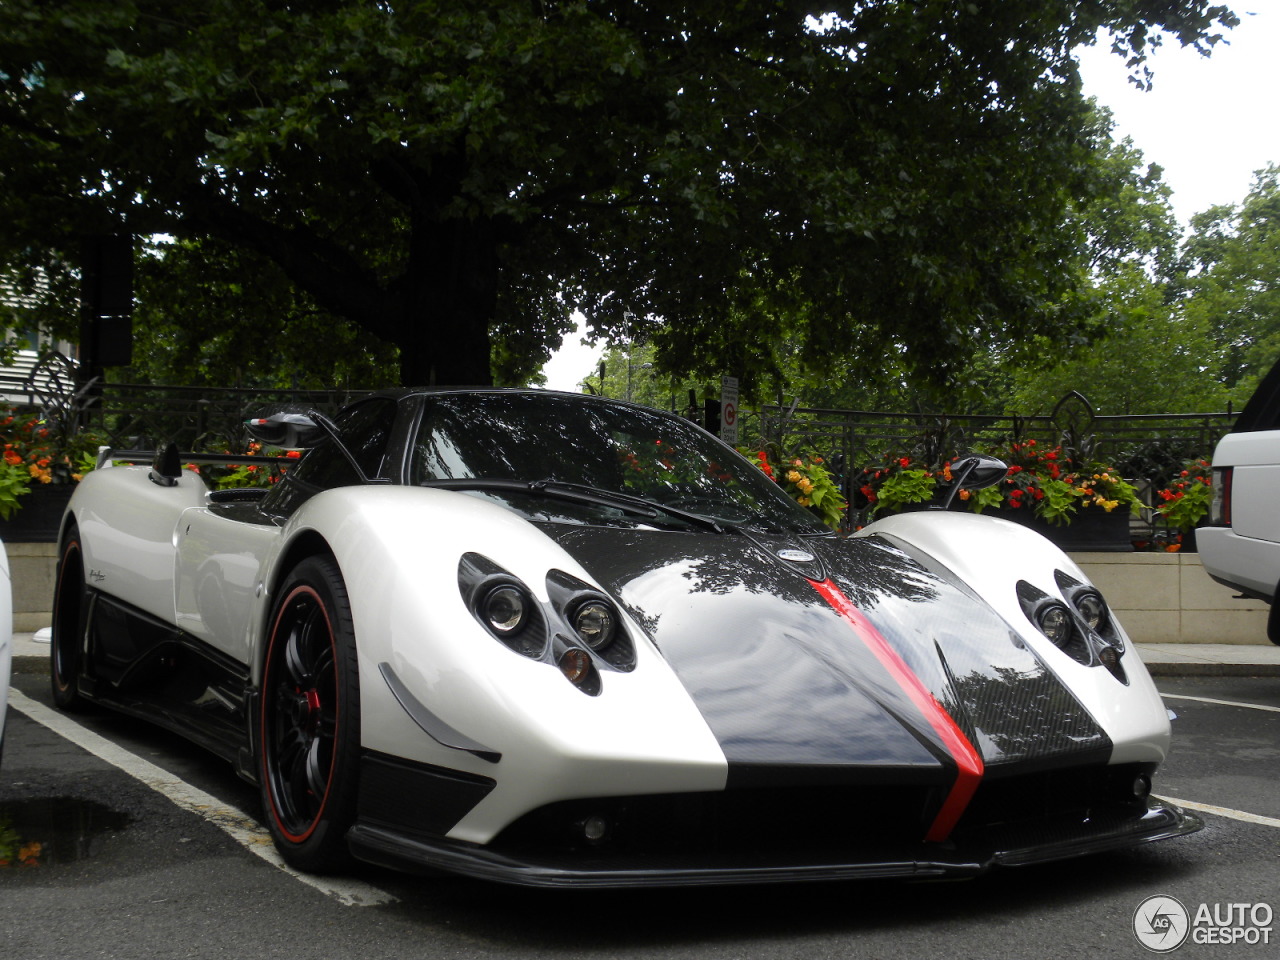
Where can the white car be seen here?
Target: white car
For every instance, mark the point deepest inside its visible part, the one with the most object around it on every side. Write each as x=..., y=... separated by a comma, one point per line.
x=561, y=640
x=6, y=640
x=1241, y=546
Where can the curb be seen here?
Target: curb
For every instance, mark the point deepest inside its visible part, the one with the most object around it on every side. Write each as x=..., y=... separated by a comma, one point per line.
x=1214, y=669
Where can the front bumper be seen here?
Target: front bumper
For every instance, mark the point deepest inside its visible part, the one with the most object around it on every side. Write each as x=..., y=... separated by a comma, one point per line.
x=973, y=852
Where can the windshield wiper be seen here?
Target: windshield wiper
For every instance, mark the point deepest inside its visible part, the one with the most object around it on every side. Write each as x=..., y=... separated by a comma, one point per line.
x=581, y=493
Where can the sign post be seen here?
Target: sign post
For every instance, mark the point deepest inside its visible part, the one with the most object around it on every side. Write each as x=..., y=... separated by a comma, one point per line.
x=729, y=409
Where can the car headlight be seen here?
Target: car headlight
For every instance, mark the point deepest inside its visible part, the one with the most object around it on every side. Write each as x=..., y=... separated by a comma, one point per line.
x=505, y=610
x=594, y=623
x=1092, y=609
x=593, y=620
x=502, y=605
x=1054, y=621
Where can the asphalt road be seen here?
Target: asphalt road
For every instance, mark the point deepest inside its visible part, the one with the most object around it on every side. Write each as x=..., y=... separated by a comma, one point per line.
x=133, y=874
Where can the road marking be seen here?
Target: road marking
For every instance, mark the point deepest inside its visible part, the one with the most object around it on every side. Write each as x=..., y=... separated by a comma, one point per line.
x=1225, y=812
x=239, y=825
x=1221, y=703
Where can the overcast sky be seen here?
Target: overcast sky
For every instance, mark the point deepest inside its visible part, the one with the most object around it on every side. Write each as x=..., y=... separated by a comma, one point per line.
x=1209, y=122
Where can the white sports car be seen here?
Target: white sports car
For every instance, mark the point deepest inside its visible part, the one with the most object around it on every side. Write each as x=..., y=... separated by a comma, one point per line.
x=551, y=639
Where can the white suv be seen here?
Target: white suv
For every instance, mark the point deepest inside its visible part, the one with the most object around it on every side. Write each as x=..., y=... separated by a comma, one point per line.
x=1241, y=547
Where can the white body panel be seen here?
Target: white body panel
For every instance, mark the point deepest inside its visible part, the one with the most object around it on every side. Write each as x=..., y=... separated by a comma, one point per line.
x=220, y=577
x=1247, y=555
x=213, y=577
x=128, y=528
x=991, y=555
x=643, y=734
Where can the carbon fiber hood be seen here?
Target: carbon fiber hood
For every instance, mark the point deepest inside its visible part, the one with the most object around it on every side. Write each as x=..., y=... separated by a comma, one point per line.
x=788, y=676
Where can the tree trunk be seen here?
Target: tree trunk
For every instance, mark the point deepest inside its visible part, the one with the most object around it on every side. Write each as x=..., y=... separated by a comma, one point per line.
x=452, y=286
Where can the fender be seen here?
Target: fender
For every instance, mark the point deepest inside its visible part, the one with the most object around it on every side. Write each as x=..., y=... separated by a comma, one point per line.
x=555, y=742
x=990, y=555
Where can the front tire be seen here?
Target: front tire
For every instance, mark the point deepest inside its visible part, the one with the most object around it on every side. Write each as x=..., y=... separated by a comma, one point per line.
x=309, y=730
x=70, y=610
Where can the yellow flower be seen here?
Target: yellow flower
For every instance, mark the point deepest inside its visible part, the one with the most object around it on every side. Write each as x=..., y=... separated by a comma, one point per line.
x=794, y=476
x=804, y=501
x=806, y=487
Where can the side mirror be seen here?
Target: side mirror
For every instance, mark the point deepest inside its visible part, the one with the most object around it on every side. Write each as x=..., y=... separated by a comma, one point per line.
x=977, y=471
x=286, y=429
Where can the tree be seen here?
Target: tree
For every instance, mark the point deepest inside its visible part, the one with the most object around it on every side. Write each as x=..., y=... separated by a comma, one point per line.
x=242, y=324
x=1150, y=356
x=453, y=176
x=1233, y=288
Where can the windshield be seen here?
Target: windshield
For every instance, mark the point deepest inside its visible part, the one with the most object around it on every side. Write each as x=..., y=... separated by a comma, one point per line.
x=594, y=443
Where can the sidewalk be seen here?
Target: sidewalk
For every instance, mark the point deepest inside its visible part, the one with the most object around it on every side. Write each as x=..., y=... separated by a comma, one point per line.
x=1162, y=659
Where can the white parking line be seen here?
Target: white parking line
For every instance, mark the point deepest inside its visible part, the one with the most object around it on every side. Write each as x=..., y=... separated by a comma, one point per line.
x=1221, y=703
x=1225, y=812
x=1208, y=807
x=231, y=820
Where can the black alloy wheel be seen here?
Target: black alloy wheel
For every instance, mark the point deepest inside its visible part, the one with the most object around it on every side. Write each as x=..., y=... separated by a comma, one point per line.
x=309, y=730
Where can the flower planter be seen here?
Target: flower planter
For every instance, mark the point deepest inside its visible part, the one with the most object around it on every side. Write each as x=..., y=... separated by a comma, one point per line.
x=1091, y=530
x=39, y=517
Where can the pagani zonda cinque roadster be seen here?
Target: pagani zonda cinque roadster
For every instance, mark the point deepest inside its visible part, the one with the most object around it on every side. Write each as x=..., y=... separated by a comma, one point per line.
x=559, y=640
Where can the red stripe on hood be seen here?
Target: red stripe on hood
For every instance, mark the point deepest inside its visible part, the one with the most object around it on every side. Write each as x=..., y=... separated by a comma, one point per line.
x=967, y=759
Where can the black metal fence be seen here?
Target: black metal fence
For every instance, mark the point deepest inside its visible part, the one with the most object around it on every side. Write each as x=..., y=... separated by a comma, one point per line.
x=195, y=419
x=1140, y=445
x=1146, y=449
x=148, y=416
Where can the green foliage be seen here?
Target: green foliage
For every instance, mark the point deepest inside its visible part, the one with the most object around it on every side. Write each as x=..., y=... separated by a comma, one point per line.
x=455, y=179
x=1059, y=502
x=904, y=487
x=1232, y=260
x=15, y=483
x=242, y=324
x=37, y=451
x=811, y=485
x=1143, y=354
x=1185, y=501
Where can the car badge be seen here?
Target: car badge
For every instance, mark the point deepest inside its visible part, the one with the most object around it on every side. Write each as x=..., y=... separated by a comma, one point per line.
x=796, y=556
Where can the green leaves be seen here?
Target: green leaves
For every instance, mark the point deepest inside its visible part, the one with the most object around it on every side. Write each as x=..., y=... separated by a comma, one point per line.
x=899, y=183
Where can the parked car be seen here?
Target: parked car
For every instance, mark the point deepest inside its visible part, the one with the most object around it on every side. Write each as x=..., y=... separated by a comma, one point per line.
x=1241, y=545
x=551, y=639
x=6, y=641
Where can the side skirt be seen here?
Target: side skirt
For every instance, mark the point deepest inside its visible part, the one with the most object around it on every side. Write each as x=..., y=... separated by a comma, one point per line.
x=149, y=669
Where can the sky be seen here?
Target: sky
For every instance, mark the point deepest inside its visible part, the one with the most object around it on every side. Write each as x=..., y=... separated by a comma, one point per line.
x=1209, y=122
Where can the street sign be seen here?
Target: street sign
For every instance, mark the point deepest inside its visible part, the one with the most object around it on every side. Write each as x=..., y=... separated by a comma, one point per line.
x=729, y=409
